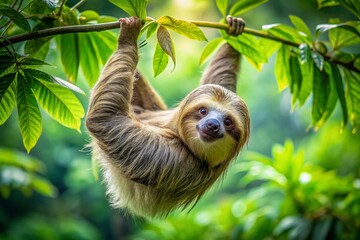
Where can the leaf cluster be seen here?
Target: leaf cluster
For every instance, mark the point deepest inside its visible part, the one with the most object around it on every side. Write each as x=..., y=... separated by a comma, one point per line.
x=322, y=65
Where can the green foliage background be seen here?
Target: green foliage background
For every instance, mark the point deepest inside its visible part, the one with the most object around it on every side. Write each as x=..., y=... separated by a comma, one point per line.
x=303, y=188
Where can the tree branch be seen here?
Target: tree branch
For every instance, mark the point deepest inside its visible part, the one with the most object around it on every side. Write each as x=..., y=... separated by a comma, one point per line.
x=114, y=25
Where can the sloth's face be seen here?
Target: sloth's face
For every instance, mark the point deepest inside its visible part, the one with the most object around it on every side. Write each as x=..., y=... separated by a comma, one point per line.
x=214, y=124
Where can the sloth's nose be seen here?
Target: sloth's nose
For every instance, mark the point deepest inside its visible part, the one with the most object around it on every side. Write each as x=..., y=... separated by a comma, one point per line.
x=213, y=125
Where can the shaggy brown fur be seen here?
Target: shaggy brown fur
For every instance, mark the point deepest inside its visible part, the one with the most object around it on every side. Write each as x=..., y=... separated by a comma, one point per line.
x=153, y=159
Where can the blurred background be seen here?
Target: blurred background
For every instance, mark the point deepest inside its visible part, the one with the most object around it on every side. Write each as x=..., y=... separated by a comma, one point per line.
x=288, y=183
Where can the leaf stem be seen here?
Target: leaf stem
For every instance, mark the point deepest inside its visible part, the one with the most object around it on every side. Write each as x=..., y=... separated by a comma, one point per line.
x=114, y=25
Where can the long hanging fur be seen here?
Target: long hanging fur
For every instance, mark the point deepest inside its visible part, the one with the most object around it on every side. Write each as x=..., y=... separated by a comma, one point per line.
x=152, y=159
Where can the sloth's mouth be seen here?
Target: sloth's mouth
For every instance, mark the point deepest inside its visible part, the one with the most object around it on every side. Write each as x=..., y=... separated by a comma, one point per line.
x=208, y=136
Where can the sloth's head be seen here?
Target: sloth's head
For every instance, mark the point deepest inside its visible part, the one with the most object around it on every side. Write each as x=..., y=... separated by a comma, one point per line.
x=214, y=123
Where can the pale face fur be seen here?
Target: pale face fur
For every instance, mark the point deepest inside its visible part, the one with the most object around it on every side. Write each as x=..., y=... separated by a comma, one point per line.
x=222, y=105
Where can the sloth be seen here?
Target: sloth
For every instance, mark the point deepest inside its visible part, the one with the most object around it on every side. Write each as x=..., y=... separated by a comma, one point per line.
x=154, y=159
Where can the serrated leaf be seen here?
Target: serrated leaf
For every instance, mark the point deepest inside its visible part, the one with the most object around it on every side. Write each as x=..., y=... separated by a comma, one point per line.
x=15, y=16
x=166, y=43
x=282, y=68
x=182, y=27
x=210, y=48
x=244, y=6
x=301, y=26
x=46, y=77
x=321, y=92
x=336, y=76
x=222, y=6
x=132, y=7
x=160, y=60
x=352, y=93
x=28, y=113
x=305, y=53
x=296, y=78
x=59, y=102
x=7, y=99
x=70, y=55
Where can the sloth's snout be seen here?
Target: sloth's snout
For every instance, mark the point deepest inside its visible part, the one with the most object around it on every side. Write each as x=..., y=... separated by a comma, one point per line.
x=213, y=125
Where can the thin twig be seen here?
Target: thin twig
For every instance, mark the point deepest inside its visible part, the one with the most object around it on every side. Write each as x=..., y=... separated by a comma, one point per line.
x=78, y=4
x=114, y=25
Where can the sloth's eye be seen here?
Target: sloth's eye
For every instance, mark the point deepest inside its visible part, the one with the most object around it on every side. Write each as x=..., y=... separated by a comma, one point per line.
x=203, y=111
x=228, y=122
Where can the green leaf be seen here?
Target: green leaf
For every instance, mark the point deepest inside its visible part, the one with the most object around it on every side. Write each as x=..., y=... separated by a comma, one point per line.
x=19, y=159
x=318, y=60
x=210, y=48
x=46, y=77
x=332, y=98
x=249, y=46
x=166, y=43
x=89, y=15
x=40, y=7
x=352, y=5
x=336, y=77
x=89, y=59
x=151, y=29
x=282, y=68
x=222, y=6
x=106, y=19
x=7, y=97
x=305, y=53
x=244, y=6
x=286, y=33
x=5, y=82
x=342, y=37
x=296, y=78
x=307, y=81
x=301, y=26
x=43, y=186
x=182, y=27
x=105, y=43
x=132, y=7
x=59, y=102
x=15, y=16
x=349, y=27
x=28, y=113
x=32, y=62
x=352, y=93
x=322, y=228
x=269, y=47
x=160, y=60
x=321, y=93
x=327, y=3
x=70, y=55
